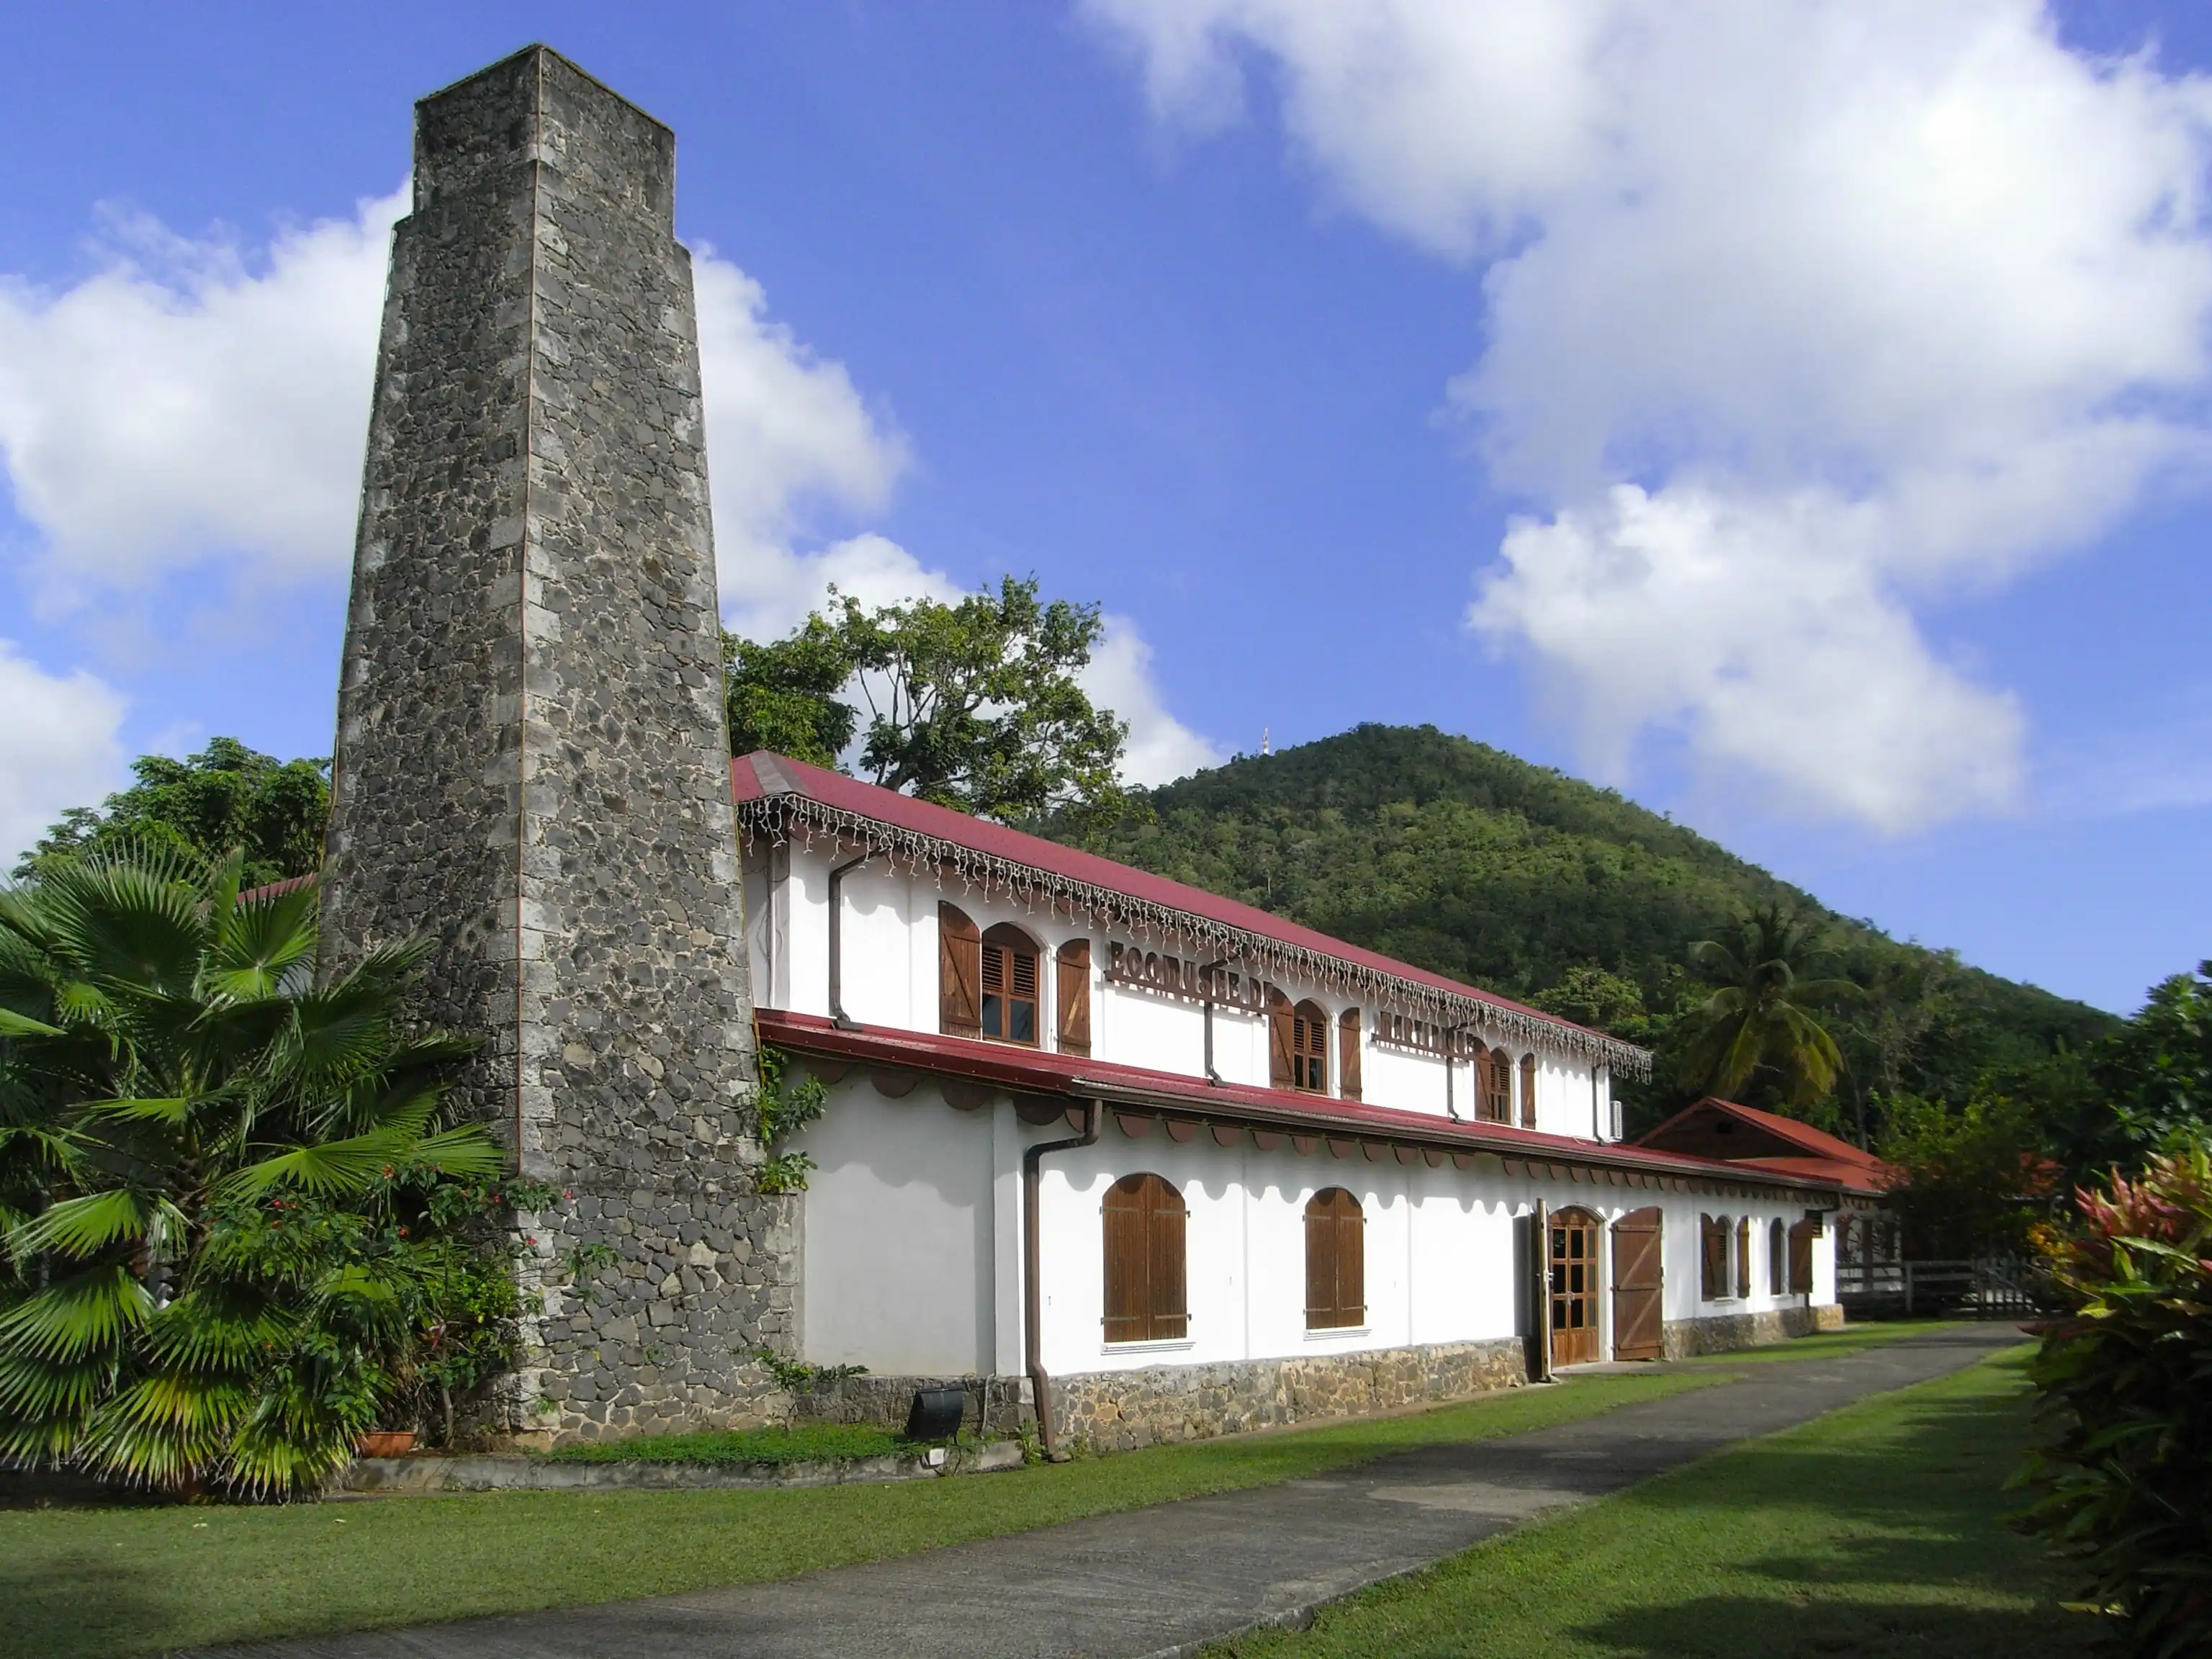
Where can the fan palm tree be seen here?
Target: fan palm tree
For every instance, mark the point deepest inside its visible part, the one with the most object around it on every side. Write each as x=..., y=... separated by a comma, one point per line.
x=207, y=1167
x=1758, y=1017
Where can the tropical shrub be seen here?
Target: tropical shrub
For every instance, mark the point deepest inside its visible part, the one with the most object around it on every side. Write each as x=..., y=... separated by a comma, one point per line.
x=2123, y=1467
x=238, y=1226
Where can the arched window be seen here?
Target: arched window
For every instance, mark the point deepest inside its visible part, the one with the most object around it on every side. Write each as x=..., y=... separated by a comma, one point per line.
x=1778, y=1271
x=1336, y=1261
x=1712, y=1257
x=1496, y=1072
x=1310, y=1048
x=1144, y=1300
x=1009, y=1011
x=1527, y=1092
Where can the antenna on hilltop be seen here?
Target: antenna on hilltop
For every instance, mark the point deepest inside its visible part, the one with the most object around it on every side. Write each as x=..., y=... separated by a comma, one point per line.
x=1266, y=748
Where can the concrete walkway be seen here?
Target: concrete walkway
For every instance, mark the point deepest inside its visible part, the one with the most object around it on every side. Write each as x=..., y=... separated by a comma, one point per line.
x=1168, y=1579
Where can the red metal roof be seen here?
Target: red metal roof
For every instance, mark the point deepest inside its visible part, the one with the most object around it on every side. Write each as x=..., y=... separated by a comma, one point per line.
x=1817, y=1154
x=1076, y=1076
x=870, y=800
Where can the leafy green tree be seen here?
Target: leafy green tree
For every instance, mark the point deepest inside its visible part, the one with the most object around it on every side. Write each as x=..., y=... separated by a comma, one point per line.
x=237, y=1222
x=783, y=695
x=973, y=705
x=2156, y=1073
x=1759, y=1019
x=226, y=796
x=1976, y=1177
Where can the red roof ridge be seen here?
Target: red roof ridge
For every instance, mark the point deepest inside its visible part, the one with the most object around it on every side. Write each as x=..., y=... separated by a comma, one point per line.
x=763, y=773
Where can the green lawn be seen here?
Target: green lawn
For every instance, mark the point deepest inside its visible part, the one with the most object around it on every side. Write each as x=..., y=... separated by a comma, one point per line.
x=1874, y=1531
x=90, y=1582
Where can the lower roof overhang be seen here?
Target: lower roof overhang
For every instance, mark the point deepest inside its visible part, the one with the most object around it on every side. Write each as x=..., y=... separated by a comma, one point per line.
x=1139, y=1092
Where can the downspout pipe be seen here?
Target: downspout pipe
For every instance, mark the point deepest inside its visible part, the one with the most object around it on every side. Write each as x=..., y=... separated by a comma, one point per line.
x=838, y=1017
x=1206, y=979
x=1094, y=1119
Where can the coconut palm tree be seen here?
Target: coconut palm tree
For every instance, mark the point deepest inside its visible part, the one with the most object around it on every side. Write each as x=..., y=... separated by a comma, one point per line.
x=1758, y=1017
x=208, y=1168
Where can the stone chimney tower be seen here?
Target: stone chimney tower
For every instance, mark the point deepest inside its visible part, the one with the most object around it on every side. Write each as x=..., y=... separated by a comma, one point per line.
x=532, y=768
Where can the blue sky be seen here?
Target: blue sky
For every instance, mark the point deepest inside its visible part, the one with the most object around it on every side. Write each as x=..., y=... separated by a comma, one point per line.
x=1802, y=427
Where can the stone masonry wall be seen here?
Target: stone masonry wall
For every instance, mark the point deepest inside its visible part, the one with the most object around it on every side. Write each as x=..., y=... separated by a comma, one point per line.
x=532, y=761
x=1119, y=1411
x=1725, y=1333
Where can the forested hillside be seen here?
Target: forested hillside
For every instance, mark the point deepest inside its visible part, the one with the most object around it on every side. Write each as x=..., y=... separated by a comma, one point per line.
x=1467, y=860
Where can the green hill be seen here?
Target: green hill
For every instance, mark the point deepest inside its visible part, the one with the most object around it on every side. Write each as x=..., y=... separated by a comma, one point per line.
x=1471, y=862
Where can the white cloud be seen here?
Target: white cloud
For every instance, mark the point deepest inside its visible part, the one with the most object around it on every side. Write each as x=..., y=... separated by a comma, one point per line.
x=1120, y=678
x=1870, y=302
x=186, y=401
x=58, y=747
x=194, y=404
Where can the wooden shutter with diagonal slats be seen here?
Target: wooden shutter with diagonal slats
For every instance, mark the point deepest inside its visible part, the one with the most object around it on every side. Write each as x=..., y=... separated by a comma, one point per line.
x=1638, y=1262
x=1073, y=1026
x=1280, y=1055
x=1347, y=1053
x=959, y=973
x=1527, y=1092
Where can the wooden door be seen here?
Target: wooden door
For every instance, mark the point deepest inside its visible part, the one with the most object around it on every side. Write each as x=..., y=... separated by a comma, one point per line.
x=1639, y=1330
x=1574, y=1288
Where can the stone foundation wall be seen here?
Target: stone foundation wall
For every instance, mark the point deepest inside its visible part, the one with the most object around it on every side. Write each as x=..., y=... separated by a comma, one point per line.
x=1725, y=1333
x=997, y=1406
x=1119, y=1411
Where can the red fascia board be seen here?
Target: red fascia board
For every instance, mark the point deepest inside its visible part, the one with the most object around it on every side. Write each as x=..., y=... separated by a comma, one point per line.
x=1033, y=1072
x=1851, y=1176
x=995, y=840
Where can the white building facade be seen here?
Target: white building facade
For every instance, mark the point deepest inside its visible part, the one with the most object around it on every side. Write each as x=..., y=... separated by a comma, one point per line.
x=1154, y=1163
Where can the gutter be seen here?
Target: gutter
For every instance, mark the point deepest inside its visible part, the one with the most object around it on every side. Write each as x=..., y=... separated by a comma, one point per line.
x=838, y=1017
x=1094, y=1119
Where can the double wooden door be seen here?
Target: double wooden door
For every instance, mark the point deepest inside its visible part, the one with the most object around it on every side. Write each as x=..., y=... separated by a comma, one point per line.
x=1574, y=1288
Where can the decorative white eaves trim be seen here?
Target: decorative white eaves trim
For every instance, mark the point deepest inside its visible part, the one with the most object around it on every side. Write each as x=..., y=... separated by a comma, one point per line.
x=783, y=815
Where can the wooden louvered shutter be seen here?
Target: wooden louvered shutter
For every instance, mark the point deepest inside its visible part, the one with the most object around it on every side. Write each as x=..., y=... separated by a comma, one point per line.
x=1074, y=1020
x=1801, y=1257
x=1527, y=1092
x=1170, y=1308
x=1743, y=1257
x=1128, y=1291
x=959, y=973
x=1778, y=1268
x=1712, y=1258
x=1347, y=1053
x=1351, y=1261
x=1280, y=1050
x=1320, y=1263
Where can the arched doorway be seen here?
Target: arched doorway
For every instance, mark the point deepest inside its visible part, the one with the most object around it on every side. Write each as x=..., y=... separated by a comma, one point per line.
x=1574, y=1283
